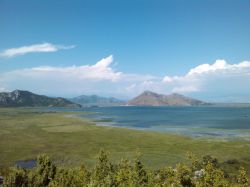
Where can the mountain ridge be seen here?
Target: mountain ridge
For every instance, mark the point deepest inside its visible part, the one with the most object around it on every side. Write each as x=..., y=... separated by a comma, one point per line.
x=23, y=98
x=149, y=98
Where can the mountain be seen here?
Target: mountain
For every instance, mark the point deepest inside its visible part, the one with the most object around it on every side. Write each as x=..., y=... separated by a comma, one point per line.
x=94, y=100
x=19, y=98
x=149, y=98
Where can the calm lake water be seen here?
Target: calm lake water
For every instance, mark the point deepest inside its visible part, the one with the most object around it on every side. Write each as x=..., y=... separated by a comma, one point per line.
x=233, y=122
x=194, y=121
x=27, y=164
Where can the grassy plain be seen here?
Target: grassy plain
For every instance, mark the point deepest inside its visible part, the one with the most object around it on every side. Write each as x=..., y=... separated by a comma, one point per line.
x=26, y=133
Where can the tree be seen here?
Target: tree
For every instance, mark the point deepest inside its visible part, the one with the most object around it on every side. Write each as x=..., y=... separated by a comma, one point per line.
x=44, y=173
x=102, y=173
x=212, y=177
x=17, y=177
x=141, y=175
x=124, y=174
x=242, y=177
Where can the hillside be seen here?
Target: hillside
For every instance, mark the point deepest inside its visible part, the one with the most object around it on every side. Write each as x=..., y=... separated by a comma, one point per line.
x=94, y=100
x=148, y=98
x=19, y=98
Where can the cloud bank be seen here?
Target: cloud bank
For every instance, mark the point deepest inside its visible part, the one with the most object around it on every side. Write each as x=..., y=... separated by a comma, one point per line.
x=219, y=81
x=100, y=78
x=36, y=48
x=97, y=72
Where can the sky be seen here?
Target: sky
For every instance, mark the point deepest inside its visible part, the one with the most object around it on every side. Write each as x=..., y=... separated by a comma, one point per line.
x=121, y=48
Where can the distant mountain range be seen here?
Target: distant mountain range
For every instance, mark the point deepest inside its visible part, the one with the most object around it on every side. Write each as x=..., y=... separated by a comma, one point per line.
x=149, y=98
x=19, y=98
x=94, y=100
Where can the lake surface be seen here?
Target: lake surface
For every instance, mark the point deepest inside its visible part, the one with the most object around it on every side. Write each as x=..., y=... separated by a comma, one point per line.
x=27, y=164
x=221, y=122
x=194, y=121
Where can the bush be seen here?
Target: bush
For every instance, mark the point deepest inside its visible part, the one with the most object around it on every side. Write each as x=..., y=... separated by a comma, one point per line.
x=16, y=177
x=201, y=173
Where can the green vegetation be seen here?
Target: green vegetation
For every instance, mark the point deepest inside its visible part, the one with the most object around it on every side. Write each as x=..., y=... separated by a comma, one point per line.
x=69, y=140
x=199, y=173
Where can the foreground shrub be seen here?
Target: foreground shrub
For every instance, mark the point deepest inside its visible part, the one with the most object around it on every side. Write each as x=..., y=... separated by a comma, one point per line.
x=16, y=177
x=70, y=177
x=242, y=177
x=200, y=173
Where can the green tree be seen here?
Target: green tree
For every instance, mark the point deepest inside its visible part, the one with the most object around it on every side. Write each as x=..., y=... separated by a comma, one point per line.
x=124, y=174
x=183, y=175
x=44, y=173
x=102, y=174
x=16, y=177
x=212, y=177
x=242, y=177
x=164, y=177
x=141, y=176
x=65, y=177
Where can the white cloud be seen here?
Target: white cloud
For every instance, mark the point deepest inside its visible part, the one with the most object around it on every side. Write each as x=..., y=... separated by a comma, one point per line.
x=155, y=85
x=219, y=78
x=184, y=89
x=218, y=66
x=3, y=89
x=99, y=71
x=100, y=77
x=167, y=79
x=36, y=48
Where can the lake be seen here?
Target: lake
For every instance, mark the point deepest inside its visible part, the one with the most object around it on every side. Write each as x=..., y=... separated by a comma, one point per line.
x=212, y=121
x=194, y=121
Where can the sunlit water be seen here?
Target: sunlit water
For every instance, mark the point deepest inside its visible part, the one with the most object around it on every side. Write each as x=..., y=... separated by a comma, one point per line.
x=220, y=122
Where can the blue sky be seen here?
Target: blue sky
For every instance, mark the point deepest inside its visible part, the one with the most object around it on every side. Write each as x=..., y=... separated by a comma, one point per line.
x=148, y=41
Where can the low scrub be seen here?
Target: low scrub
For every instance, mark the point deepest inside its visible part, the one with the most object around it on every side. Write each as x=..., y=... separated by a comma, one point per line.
x=204, y=172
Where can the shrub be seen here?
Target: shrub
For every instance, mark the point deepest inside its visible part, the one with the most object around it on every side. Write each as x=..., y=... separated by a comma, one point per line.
x=201, y=173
